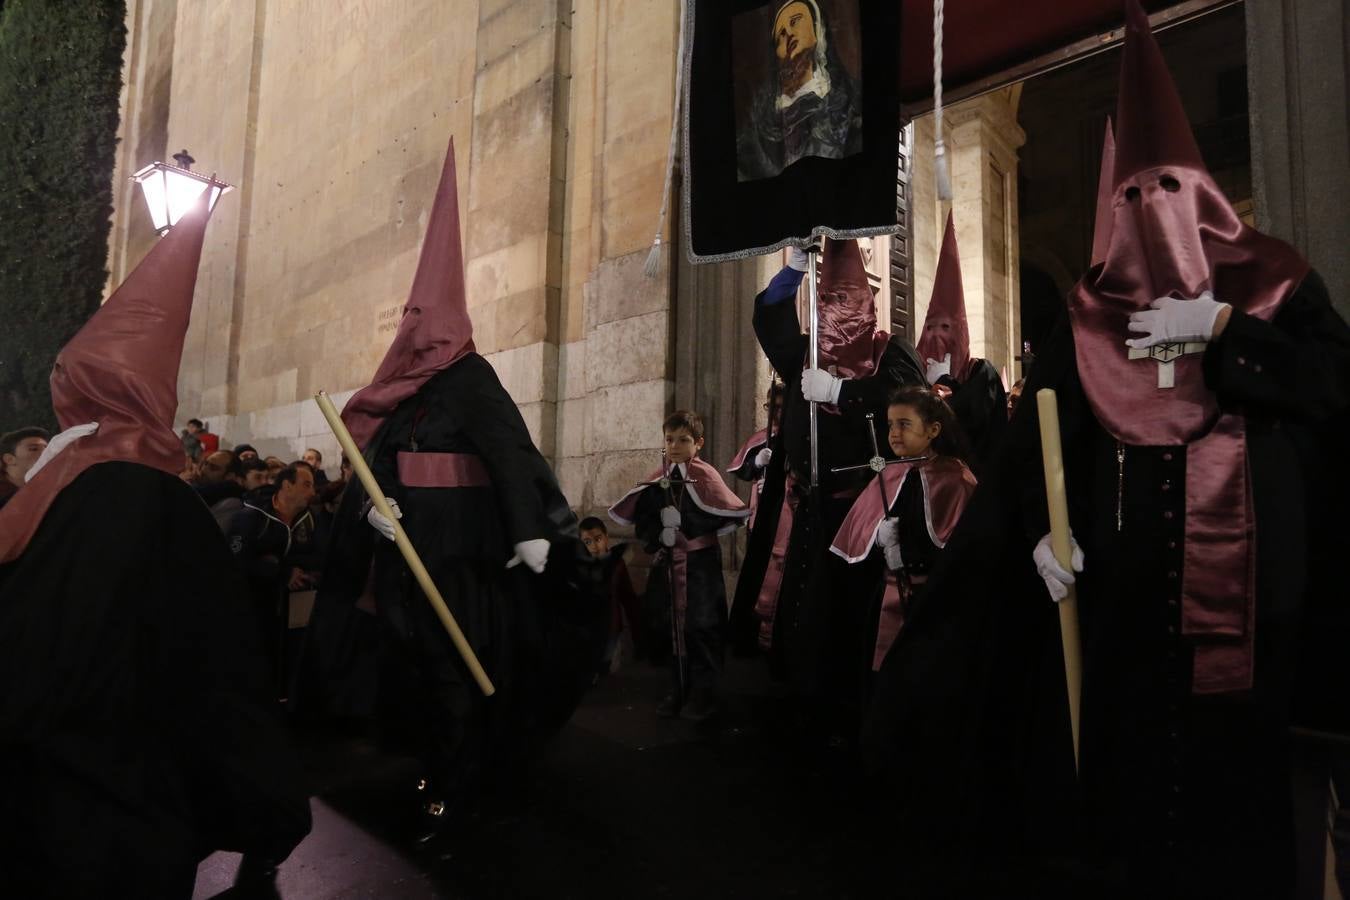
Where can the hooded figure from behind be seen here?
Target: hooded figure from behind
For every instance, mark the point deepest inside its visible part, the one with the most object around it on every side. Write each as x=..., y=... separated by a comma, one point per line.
x=136, y=735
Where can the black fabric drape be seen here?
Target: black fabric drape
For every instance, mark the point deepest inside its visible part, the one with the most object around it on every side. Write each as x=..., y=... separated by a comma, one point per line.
x=727, y=218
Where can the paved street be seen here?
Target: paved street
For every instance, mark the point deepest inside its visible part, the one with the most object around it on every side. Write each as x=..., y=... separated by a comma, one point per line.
x=622, y=805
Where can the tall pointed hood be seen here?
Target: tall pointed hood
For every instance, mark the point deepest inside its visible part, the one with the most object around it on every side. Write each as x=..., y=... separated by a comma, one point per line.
x=849, y=339
x=435, y=331
x=945, y=329
x=1101, y=225
x=120, y=371
x=1174, y=234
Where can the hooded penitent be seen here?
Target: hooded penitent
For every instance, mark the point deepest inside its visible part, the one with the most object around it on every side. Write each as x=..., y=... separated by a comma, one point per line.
x=945, y=329
x=849, y=339
x=121, y=372
x=1101, y=223
x=1174, y=234
x=435, y=331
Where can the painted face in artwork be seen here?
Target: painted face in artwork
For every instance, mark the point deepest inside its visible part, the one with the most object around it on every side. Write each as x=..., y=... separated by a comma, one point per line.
x=794, y=31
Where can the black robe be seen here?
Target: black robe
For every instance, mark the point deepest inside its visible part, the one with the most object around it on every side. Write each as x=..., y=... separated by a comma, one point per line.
x=136, y=730
x=815, y=640
x=1179, y=794
x=540, y=638
x=981, y=407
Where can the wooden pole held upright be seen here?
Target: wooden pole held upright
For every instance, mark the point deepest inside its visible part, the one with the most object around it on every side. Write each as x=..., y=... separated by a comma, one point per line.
x=1053, y=458
x=419, y=571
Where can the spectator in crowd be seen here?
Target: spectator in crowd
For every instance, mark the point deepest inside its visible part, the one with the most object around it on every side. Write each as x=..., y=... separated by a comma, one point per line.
x=19, y=449
x=261, y=538
x=192, y=448
x=209, y=442
x=331, y=494
x=251, y=475
x=315, y=460
x=1014, y=395
x=245, y=451
x=309, y=535
x=253, y=472
x=218, y=478
x=612, y=588
x=274, y=466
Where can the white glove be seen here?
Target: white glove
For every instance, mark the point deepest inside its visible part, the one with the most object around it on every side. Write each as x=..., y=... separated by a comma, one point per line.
x=819, y=386
x=668, y=536
x=1057, y=580
x=1169, y=319
x=57, y=444
x=532, y=553
x=797, y=259
x=937, y=369
x=762, y=458
x=379, y=522
x=670, y=517
x=888, y=538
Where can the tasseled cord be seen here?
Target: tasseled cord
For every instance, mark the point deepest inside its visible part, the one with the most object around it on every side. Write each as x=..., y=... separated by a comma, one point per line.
x=944, y=178
x=653, y=264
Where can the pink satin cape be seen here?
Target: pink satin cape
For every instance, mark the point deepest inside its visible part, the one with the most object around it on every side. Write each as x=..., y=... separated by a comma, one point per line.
x=947, y=486
x=709, y=493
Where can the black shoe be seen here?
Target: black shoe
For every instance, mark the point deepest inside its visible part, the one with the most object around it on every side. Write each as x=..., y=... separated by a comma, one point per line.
x=433, y=821
x=702, y=706
x=669, y=707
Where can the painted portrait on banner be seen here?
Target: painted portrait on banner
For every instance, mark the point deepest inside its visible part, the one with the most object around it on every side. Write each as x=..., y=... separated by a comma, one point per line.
x=797, y=81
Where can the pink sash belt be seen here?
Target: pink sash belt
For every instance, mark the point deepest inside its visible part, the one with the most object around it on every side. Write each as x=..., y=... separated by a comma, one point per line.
x=679, y=575
x=442, y=470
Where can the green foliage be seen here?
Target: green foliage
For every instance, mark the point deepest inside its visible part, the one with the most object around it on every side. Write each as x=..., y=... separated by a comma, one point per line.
x=60, y=75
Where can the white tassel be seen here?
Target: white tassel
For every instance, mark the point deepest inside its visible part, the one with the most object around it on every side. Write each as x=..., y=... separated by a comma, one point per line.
x=944, y=178
x=941, y=169
x=653, y=264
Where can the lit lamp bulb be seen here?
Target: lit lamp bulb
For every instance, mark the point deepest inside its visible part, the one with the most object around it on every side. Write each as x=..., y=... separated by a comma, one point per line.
x=171, y=190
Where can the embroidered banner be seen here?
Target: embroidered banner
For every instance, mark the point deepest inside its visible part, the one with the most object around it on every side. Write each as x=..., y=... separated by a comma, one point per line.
x=792, y=123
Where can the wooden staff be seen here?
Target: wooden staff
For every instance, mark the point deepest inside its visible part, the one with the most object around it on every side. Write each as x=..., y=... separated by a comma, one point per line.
x=1052, y=456
x=376, y=494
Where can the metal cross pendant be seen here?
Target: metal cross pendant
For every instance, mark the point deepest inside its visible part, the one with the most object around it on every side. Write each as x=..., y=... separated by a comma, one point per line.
x=877, y=463
x=1166, y=355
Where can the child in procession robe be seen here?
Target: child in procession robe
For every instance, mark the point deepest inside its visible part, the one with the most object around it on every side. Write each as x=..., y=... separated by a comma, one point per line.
x=678, y=513
x=909, y=510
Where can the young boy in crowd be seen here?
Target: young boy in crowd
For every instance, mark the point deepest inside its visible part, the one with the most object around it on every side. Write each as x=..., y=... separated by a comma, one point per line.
x=678, y=512
x=612, y=588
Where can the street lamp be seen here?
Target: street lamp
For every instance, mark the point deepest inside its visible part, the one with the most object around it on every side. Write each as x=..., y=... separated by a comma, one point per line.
x=171, y=190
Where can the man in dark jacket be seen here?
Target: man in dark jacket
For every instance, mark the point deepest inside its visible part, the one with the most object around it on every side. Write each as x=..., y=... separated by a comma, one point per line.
x=262, y=540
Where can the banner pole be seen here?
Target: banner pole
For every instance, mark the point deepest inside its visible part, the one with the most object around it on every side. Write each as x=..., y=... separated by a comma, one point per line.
x=813, y=295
